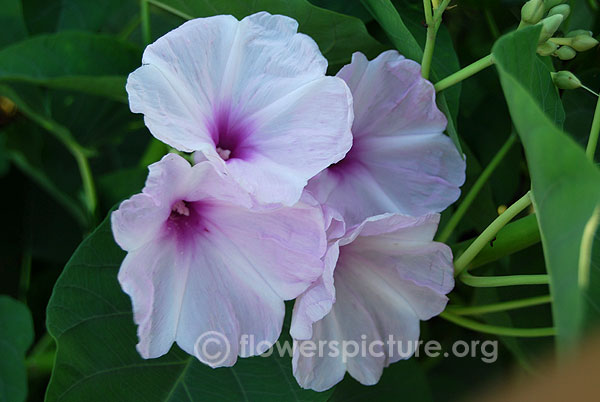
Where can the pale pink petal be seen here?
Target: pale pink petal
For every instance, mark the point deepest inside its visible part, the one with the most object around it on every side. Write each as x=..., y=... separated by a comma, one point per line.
x=179, y=297
x=205, y=260
x=137, y=221
x=250, y=96
x=315, y=303
x=400, y=159
x=389, y=275
x=294, y=139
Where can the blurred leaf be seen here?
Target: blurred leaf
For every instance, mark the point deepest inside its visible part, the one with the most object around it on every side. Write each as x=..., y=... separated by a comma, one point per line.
x=91, y=320
x=565, y=184
x=41, y=15
x=16, y=336
x=92, y=63
x=403, y=380
x=116, y=186
x=353, y=8
x=88, y=16
x=388, y=17
x=11, y=20
x=337, y=35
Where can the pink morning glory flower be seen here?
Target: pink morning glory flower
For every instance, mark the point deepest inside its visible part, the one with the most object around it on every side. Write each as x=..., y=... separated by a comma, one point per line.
x=199, y=260
x=388, y=275
x=400, y=160
x=251, y=96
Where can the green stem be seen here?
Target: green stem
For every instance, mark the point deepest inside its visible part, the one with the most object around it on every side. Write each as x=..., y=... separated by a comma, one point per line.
x=430, y=40
x=501, y=306
x=474, y=191
x=428, y=52
x=504, y=280
x=64, y=136
x=595, y=130
x=433, y=21
x=145, y=16
x=40, y=178
x=513, y=237
x=488, y=234
x=170, y=9
x=496, y=330
x=88, y=182
x=464, y=73
x=561, y=41
x=40, y=360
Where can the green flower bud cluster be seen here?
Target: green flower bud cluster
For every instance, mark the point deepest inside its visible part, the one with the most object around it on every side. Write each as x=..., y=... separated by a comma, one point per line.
x=550, y=14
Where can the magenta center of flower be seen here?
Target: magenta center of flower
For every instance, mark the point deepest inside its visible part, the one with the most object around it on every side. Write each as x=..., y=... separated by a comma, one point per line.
x=349, y=163
x=185, y=222
x=230, y=134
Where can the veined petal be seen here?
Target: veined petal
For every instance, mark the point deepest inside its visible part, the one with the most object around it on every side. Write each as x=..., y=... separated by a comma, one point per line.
x=400, y=160
x=251, y=96
x=389, y=275
x=202, y=260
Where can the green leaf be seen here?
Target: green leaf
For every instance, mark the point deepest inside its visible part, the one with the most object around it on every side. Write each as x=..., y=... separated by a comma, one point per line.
x=337, y=35
x=565, y=184
x=517, y=53
x=403, y=380
x=12, y=22
x=16, y=336
x=81, y=61
x=387, y=16
x=401, y=37
x=91, y=320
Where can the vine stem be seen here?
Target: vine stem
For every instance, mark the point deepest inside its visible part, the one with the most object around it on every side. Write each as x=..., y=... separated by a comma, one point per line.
x=496, y=330
x=504, y=280
x=433, y=19
x=145, y=17
x=464, y=73
x=594, y=132
x=501, y=306
x=488, y=234
x=476, y=188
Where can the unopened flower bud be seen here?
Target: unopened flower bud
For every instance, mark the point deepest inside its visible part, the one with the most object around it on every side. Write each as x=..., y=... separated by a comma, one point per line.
x=547, y=48
x=549, y=27
x=565, y=53
x=548, y=4
x=581, y=43
x=532, y=11
x=563, y=9
x=565, y=80
x=578, y=32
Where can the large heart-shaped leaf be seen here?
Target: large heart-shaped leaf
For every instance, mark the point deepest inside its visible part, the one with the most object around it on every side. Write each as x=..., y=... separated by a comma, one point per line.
x=338, y=35
x=81, y=61
x=565, y=184
x=91, y=320
x=16, y=335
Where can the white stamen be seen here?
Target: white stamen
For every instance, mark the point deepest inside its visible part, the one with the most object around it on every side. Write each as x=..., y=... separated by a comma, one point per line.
x=223, y=153
x=181, y=208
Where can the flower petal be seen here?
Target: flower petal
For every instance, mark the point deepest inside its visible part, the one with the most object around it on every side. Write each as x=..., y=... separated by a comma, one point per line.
x=251, y=96
x=202, y=261
x=389, y=276
x=400, y=160
x=295, y=138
